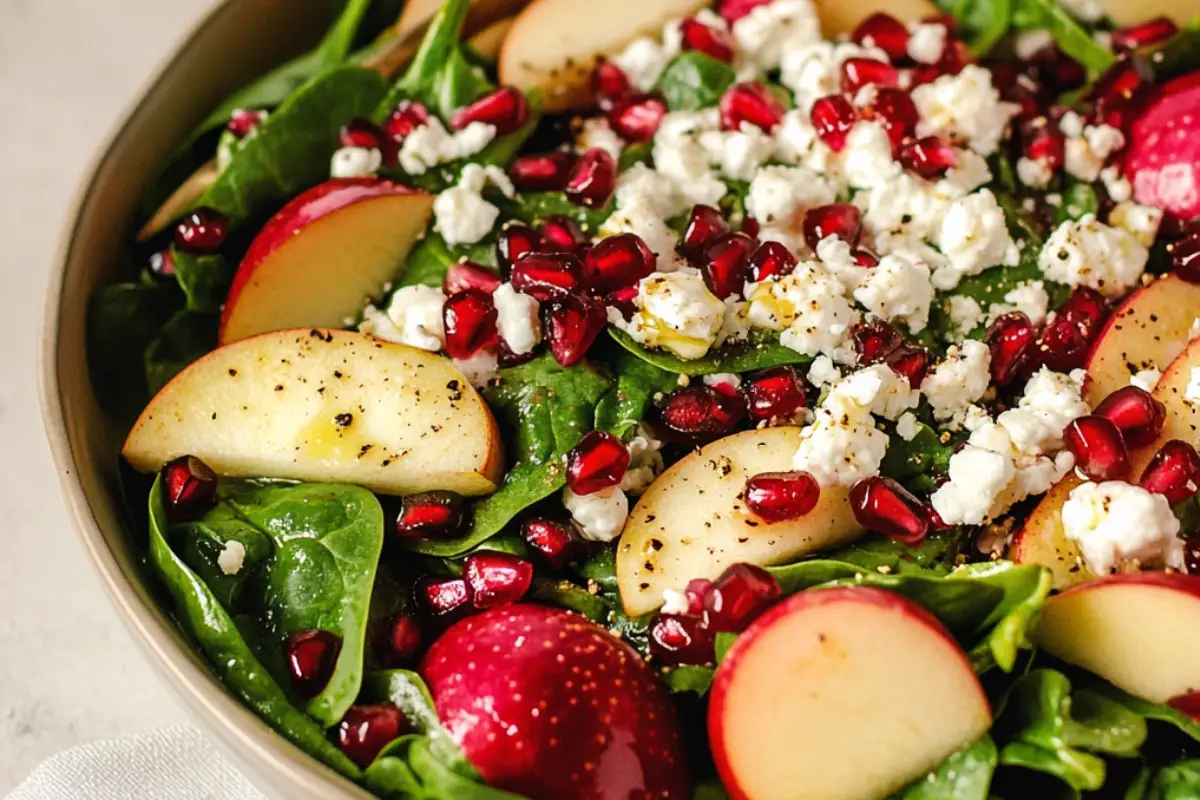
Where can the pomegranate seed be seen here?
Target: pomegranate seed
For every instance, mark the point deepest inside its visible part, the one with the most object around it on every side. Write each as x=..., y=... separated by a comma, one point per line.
x=617, y=262
x=506, y=109
x=1098, y=448
x=874, y=341
x=864, y=257
x=542, y=172
x=243, y=121
x=592, y=179
x=1173, y=472
x=1047, y=144
x=770, y=259
x=1124, y=76
x=776, y=496
x=1087, y=307
x=365, y=730
x=929, y=157
x=444, y=597
x=433, y=515
x=202, y=231
x=1150, y=32
x=884, y=506
x=1122, y=109
x=833, y=117
x=572, y=324
x=1033, y=96
x=676, y=639
x=469, y=275
x=636, y=116
x=700, y=413
x=1062, y=345
x=1135, y=412
x=609, y=82
x=597, y=462
x=311, y=659
x=162, y=264
x=752, y=103
x=704, y=226
x=189, y=488
x=697, y=589
x=911, y=362
x=561, y=234
x=361, y=132
x=896, y=112
x=775, y=394
x=954, y=57
x=1185, y=257
x=469, y=318
x=1010, y=339
x=514, y=243
x=624, y=301
x=860, y=72
x=547, y=276
x=842, y=220
x=551, y=540
x=505, y=357
x=496, y=578
x=404, y=119
x=733, y=10
x=885, y=32
x=724, y=269
x=695, y=35
x=741, y=593
x=405, y=639
x=750, y=226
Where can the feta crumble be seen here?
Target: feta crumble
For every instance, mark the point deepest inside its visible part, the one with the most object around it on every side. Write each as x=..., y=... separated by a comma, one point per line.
x=675, y=311
x=1145, y=379
x=431, y=144
x=480, y=369
x=926, y=42
x=973, y=237
x=462, y=215
x=355, y=162
x=1117, y=524
x=413, y=317
x=810, y=309
x=964, y=108
x=232, y=557
x=774, y=29
x=601, y=515
x=645, y=462
x=1086, y=252
x=907, y=427
x=842, y=445
x=959, y=379
x=517, y=319
x=780, y=195
x=898, y=289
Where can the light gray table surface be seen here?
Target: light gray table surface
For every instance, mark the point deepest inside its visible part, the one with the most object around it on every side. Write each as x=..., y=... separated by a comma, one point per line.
x=69, y=671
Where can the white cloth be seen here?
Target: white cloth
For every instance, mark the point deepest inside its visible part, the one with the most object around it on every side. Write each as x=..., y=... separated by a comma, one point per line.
x=175, y=763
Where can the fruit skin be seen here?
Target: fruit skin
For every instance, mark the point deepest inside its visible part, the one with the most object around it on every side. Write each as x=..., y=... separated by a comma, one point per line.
x=1163, y=160
x=571, y=710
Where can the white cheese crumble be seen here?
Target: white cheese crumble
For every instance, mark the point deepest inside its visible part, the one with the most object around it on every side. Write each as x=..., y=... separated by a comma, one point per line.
x=675, y=311
x=413, y=317
x=480, y=369
x=1050, y=401
x=959, y=379
x=601, y=515
x=1086, y=252
x=907, y=427
x=1116, y=184
x=1117, y=524
x=642, y=61
x=738, y=154
x=973, y=237
x=773, y=29
x=964, y=108
x=965, y=314
x=815, y=70
x=898, y=289
x=926, y=42
x=462, y=215
x=355, y=162
x=232, y=557
x=866, y=160
x=1028, y=297
x=597, y=134
x=780, y=195
x=822, y=372
x=1139, y=221
x=1035, y=172
x=431, y=144
x=810, y=308
x=517, y=319
x=645, y=462
x=1145, y=379
x=842, y=445
x=1087, y=147
x=977, y=478
x=674, y=602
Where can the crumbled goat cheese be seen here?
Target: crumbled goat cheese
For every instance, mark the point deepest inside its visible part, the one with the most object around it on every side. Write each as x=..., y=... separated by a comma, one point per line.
x=959, y=379
x=773, y=29
x=1050, y=401
x=842, y=445
x=1117, y=524
x=1117, y=185
x=898, y=289
x=517, y=319
x=965, y=314
x=1145, y=379
x=645, y=462
x=822, y=372
x=892, y=394
x=907, y=207
x=964, y=108
x=480, y=369
x=1087, y=147
x=1139, y=221
x=815, y=70
x=679, y=155
x=675, y=311
x=643, y=61
x=1028, y=297
x=601, y=515
x=779, y=196
x=907, y=426
x=796, y=142
x=1031, y=42
x=977, y=477
x=967, y=175
x=462, y=215
x=810, y=309
x=973, y=237
x=597, y=134
x=431, y=144
x=1035, y=172
x=926, y=42
x=232, y=557
x=738, y=154
x=837, y=258
x=654, y=191
x=866, y=160
x=1086, y=252
x=729, y=379
x=414, y=318
x=355, y=162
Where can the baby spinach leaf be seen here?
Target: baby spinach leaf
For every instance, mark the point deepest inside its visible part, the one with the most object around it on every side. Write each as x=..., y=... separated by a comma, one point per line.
x=1071, y=37
x=1178, y=781
x=917, y=462
x=429, y=261
x=204, y=279
x=694, y=80
x=634, y=153
x=123, y=320
x=1024, y=593
x=983, y=23
x=185, y=337
x=406, y=691
x=751, y=356
x=1078, y=198
x=1155, y=712
x=533, y=208
x=564, y=594
x=230, y=657
x=685, y=679
x=626, y=404
x=440, y=75
x=964, y=775
x=408, y=769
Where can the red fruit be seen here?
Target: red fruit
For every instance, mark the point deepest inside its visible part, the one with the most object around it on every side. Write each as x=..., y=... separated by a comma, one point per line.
x=776, y=496
x=505, y=108
x=750, y=226
x=864, y=257
x=874, y=341
x=733, y=10
x=636, y=116
x=592, y=179
x=469, y=275
x=623, y=300
x=695, y=35
x=244, y=120
x=833, y=117
x=676, y=639
x=770, y=259
x=162, y=264
x=1185, y=257
x=365, y=730
x=1033, y=96
x=1062, y=345
x=1046, y=143
x=860, y=72
x=1087, y=308
x=617, y=262
x=572, y=324
x=469, y=318
x=405, y=638
x=597, y=462
x=609, y=82
x=697, y=589
x=752, y=103
x=432, y=515
x=1163, y=158
x=954, y=57
x=561, y=234
x=1173, y=472
x=1150, y=32
x=1135, y=412
x=842, y=220
x=884, y=506
x=444, y=597
x=724, y=268
x=910, y=361
x=1098, y=448
x=704, y=226
x=514, y=243
x=885, y=32
x=202, y=231
x=896, y=112
x=700, y=413
x=547, y=276
x=551, y=540
x=1189, y=703
x=360, y=132
x=1010, y=339
x=311, y=658
x=775, y=394
x=929, y=157
x=189, y=488
x=571, y=710
x=496, y=578
x=542, y=172
x=741, y=593
x=404, y=119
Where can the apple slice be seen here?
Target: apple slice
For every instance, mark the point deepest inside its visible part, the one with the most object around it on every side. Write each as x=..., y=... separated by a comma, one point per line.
x=321, y=258
x=325, y=405
x=842, y=17
x=851, y=693
x=1123, y=13
x=1182, y=420
x=691, y=522
x=1133, y=629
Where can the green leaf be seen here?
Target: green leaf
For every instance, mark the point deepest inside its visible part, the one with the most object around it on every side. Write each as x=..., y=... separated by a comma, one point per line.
x=406, y=691
x=687, y=679
x=724, y=641
x=1180, y=54
x=204, y=279
x=183, y=338
x=917, y=463
x=1071, y=37
x=440, y=75
x=1078, y=198
x=748, y=357
x=1102, y=725
x=408, y=769
x=564, y=594
x=534, y=208
x=123, y=321
x=626, y=404
x=1025, y=592
x=1156, y=712
x=693, y=81
x=229, y=656
x=634, y=153
x=982, y=23
x=965, y=775
x=1178, y=781
x=429, y=261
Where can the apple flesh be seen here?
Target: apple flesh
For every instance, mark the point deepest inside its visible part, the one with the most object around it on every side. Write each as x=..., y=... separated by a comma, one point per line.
x=1123, y=14
x=1133, y=629
x=691, y=522
x=1041, y=539
x=842, y=17
x=329, y=406
x=324, y=256
x=1182, y=420
x=851, y=692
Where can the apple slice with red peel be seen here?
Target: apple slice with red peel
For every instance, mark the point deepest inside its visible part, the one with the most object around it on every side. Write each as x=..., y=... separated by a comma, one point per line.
x=1182, y=420
x=692, y=522
x=1163, y=158
x=568, y=710
x=852, y=692
x=1133, y=630
x=327, y=406
x=1041, y=540
x=323, y=256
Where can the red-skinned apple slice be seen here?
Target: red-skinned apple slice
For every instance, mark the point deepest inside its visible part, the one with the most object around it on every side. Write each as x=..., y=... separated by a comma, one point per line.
x=1133, y=630
x=323, y=256
x=692, y=523
x=1041, y=539
x=851, y=692
x=329, y=406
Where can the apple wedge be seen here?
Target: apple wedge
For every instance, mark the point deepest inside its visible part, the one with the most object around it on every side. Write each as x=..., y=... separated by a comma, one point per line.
x=691, y=522
x=325, y=405
x=1041, y=540
x=851, y=693
x=1133, y=630
x=323, y=256
x=1183, y=418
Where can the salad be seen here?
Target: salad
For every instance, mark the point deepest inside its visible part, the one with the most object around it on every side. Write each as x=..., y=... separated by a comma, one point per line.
x=649, y=399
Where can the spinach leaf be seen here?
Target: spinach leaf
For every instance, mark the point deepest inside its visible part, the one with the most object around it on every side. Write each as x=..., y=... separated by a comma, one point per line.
x=1071, y=37
x=1154, y=712
x=230, y=657
x=750, y=356
x=440, y=75
x=965, y=775
x=634, y=153
x=1025, y=592
x=983, y=23
x=183, y=338
x=564, y=594
x=918, y=462
x=1178, y=781
x=429, y=261
x=626, y=404
x=694, y=80
x=533, y=208
x=204, y=279
x=123, y=321
x=1078, y=198
x=695, y=680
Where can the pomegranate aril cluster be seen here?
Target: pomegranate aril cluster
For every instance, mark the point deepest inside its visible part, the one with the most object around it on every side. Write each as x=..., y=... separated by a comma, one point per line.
x=367, y=729
x=779, y=496
x=695, y=414
x=435, y=514
x=496, y=578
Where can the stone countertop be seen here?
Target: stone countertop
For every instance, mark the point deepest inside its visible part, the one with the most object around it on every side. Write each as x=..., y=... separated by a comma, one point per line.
x=69, y=671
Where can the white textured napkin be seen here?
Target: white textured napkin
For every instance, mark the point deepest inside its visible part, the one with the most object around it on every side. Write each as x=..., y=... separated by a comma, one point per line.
x=174, y=763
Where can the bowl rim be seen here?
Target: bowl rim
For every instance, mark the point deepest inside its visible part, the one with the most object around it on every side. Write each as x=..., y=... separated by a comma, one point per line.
x=246, y=737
